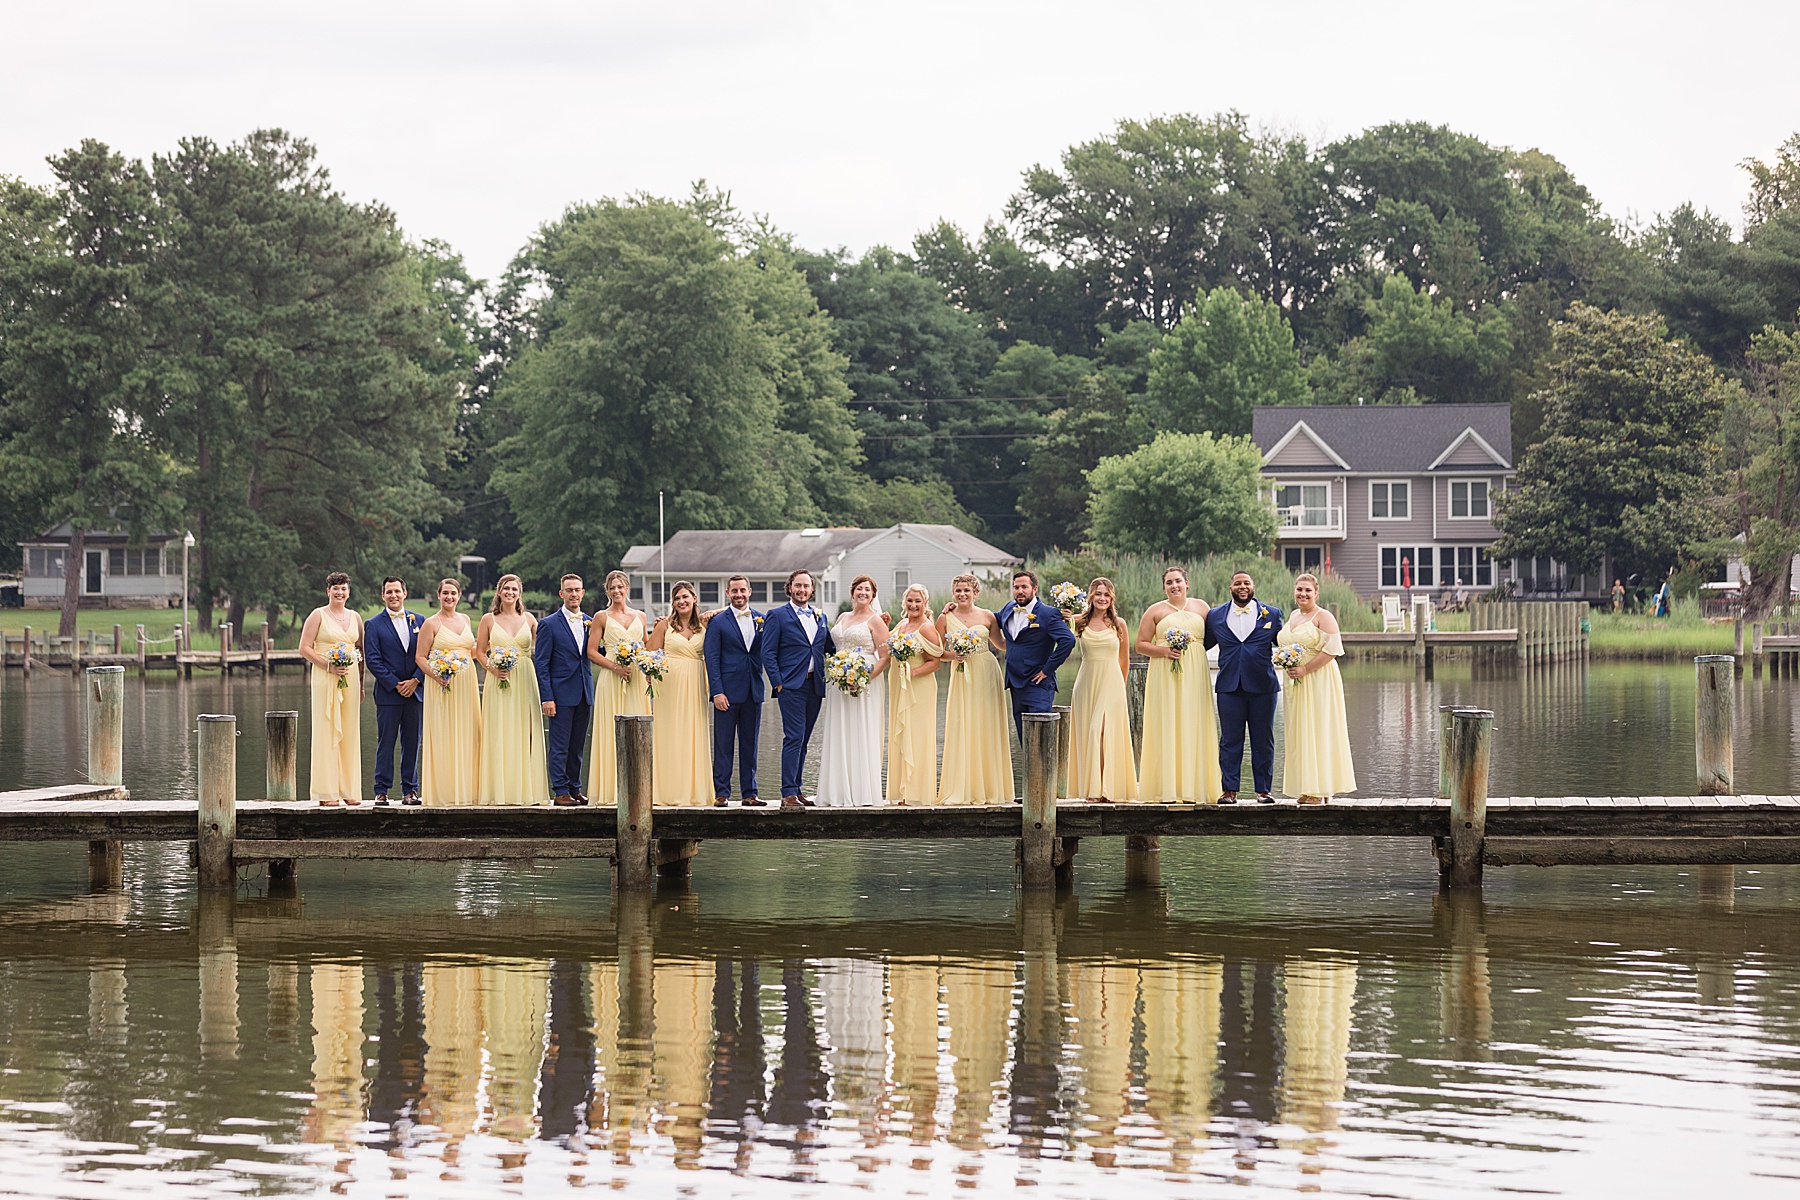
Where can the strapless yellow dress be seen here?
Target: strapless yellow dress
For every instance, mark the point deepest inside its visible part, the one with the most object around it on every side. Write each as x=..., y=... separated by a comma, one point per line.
x=613, y=697
x=336, y=758
x=450, y=757
x=682, y=745
x=977, y=739
x=1100, y=765
x=1181, y=726
x=1317, y=729
x=513, y=769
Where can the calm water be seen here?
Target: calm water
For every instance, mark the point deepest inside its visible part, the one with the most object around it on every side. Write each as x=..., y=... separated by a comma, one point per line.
x=895, y=1019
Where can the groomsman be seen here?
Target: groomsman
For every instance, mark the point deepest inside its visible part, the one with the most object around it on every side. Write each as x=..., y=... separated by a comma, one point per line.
x=566, y=685
x=734, y=668
x=389, y=642
x=1038, y=641
x=796, y=640
x=1244, y=631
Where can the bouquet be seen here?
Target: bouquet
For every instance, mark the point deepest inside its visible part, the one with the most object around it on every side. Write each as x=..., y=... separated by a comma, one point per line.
x=1178, y=640
x=904, y=647
x=1288, y=657
x=446, y=665
x=849, y=671
x=626, y=653
x=343, y=655
x=653, y=663
x=965, y=642
x=1068, y=598
x=504, y=659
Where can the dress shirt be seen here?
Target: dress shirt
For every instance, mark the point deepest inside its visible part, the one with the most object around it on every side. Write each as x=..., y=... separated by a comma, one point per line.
x=812, y=630
x=575, y=629
x=1242, y=620
x=400, y=629
x=746, y=626
x=1019, y=619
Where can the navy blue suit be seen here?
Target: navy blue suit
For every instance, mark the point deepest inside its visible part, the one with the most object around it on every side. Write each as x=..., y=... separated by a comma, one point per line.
x=1246, y=688
x=735, y=672
x=565, y=676
x=786, y=655
x=397, y=717
x=1043, y=645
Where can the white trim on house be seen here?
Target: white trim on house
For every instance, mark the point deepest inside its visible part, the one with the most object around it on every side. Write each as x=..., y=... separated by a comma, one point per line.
x=1466, y=435
x=1487, y=497
x=1302, y=427
x=1389, y=482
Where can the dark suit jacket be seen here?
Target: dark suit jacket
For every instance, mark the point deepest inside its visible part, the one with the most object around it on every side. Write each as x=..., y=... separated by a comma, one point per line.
x=1043, y=645
x=563, y=671
x=732, y=671
x=1246, y=666
x=390, y=662
x=785, y=651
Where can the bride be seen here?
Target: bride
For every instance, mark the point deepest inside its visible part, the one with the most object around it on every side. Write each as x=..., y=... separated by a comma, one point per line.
x=850, y=760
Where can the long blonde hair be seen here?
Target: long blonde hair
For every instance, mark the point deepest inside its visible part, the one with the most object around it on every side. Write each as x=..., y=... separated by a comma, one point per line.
x=500, y=583
x=1087, y=614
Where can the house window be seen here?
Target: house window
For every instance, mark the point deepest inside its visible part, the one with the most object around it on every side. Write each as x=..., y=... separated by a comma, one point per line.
x=902, y=581
x=828, y=591
x=1469, y=498
x=1390, y=500
x=1407, y=566
x=1302, y=558
x=759, y=591
x=637, y=590
x=1303, y=505
x=709, y=592
x=121, y=561
x=44, y=562
x=1465, y=566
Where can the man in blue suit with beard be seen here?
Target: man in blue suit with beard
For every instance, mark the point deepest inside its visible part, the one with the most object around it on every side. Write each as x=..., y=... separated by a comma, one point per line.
x=1244, y=631
x=795, y=641
x=734, y=671
x=1038, y=641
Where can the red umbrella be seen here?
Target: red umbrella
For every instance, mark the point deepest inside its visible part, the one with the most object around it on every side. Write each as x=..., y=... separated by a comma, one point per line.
x=1405, y=571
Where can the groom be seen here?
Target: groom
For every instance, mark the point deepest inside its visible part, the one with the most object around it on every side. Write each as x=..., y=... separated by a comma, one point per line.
x=1244, y=631
x=795, y=640
x=1037, y=642
x=566, y=686
x=389, y=642
x=734, y=668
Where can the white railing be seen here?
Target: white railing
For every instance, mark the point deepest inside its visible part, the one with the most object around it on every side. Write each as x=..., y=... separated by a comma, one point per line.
x=1302, y=520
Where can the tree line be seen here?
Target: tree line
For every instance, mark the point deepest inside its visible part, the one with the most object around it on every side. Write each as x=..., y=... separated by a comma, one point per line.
x=220, y=340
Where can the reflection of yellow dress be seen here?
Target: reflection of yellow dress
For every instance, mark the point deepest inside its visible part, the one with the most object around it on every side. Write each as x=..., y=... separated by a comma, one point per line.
x=978, y=1001
x=452, y=749
x=977, y=746
x=336, y=720
x=1104, y=999
x=337, y=1016
x=453, y=1054
x=613, y=697
x=913, y=1005
x=681, y=1048
x=682, y=747
x=912, y=731
x=1317, y=762
x=1180, y=1000
x=1321, y=997
x=512, y=729
x=1181, y=728
x=1100, y=765
x=513, y=1000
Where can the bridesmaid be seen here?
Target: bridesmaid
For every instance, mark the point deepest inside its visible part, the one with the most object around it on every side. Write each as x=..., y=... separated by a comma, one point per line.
x=513, y=767
x=447, y=763
x=912, y=707
x=1181, y=729
x=336, y=711
x=618, y=691
x=1317, y=763
x=1100, y=765
x=977, y=740
x=681, y=750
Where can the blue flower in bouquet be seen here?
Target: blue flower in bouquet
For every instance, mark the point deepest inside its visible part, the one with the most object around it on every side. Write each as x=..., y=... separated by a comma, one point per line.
x=1178, y=640
x=504, y=659
x=653, y=663
x=964, y=642
x=849, y=671
x=343, y=655
x=1069, y=598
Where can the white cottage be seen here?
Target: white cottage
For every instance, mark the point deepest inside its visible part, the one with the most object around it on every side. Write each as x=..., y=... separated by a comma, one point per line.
x=114, y=573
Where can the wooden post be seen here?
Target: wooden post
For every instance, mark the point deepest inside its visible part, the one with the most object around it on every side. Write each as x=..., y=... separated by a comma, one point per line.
x=1137, y=675
x=142, y=648
x=1714, y=707
x=218, y=801
x=224, y=647
x=106, y=725
x=118, y=639
x=1063, y=712
x=1446, y=723
x=1756, y=649
x=636, y=786
x=1037, y=858
x=1143, y=861
x=28, y=649
x=281, y=769
x=1471, y=743
x=265, y=648
x=1418, y=623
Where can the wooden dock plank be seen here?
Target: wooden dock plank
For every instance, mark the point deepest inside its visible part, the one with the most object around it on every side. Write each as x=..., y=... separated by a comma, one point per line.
x=1639, y=851
x=421, y=849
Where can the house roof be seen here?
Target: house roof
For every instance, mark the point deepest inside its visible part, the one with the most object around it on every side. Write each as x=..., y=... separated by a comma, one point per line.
x=1411, y=439
x=60, y=533
x=777, y=551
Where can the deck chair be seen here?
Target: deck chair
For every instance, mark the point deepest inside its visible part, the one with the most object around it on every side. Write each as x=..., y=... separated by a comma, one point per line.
x=1393, y=615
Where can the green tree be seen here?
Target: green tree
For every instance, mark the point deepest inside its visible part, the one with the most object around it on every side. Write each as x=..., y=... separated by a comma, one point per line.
x=1623, y=469
x=1096, y=421
x=905, y=500
x=1228, y=354
x=1761, y=435
x=1420, y=347
x=1183, y=496
x=75, y=427
x=1017, y=296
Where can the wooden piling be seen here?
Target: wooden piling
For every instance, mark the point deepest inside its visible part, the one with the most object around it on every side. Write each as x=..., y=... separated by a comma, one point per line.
x=1715, y=704
x=1756, y=649
x=281, y=767
x=675, y=858
x=1143, y=861
x=636, y=786
x=1037, y=852
x=218, y=801
x=1420, y=620
x=27, y=663
x=106, y=725
x=143, y=646
x=224, y=648
x=265, y=649
x=1064, y=722
x=1137, y=675
x=1446, y=725
x=1471, y=743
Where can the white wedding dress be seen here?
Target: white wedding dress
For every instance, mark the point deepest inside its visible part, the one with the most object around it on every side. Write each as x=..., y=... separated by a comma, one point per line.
x=854, y=729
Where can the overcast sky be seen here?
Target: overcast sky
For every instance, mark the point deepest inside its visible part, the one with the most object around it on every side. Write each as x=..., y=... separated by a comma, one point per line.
x=857, y=123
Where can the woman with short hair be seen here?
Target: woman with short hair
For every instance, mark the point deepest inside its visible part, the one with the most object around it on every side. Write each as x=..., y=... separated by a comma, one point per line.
x=335, y=631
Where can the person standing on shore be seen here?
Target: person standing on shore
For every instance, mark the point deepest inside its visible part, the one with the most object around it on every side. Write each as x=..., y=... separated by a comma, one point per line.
x=734, y=671
x=1245, y=631
x=389, y=642
x=566, y=686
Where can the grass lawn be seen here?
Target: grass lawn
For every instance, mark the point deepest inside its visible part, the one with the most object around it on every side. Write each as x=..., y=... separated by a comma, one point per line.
x=1637, y=635
x=157, y=622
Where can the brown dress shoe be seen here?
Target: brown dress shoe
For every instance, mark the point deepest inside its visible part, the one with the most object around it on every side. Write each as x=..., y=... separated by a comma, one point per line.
x=1228, y=798
x=578, y=798
x=564, y=800
x=1264, y=798
x=792, y=802
x=721, y=801
x=753, y=802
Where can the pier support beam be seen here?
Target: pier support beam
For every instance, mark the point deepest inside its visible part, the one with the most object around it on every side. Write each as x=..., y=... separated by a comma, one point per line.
x=636, y=872
x=281, y=766
x=218, y=802
x=1471, y=744
x=1063, y=724
x=1143, y=861
x=1037, y=848
x=675, y=858
x=106, y=765
x=1715, y=704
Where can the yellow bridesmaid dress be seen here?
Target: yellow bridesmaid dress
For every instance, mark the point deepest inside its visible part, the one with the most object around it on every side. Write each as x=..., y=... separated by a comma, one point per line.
x=912, y=731
x=682, y=739
x=513, y=769
x=452, y=749
x=977, y=744
x=1100, y=766
x=336, y=720
x=614, y=697
x=1317, y=762
x=1181, y=728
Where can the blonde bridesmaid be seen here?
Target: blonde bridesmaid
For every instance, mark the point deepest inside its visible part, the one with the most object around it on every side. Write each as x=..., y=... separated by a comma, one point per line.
x=1181, y=728
x=1100, y=765
x=977, y=744
x=1317, y=764
x=336, y=710
x=618, y=691
x=681, y=752
x=512, y=724
x=912, y=706
x=449, y=759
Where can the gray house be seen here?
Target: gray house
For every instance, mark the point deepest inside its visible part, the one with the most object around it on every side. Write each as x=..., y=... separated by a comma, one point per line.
x=1393, y=498
x=114, y=573
x=894, y=558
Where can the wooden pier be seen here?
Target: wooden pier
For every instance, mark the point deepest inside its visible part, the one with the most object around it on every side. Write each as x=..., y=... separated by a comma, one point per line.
x=41, y=650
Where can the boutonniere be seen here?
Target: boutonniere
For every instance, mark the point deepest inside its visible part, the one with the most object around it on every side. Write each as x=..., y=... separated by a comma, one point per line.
x=757, y=621
x=1031, y=618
